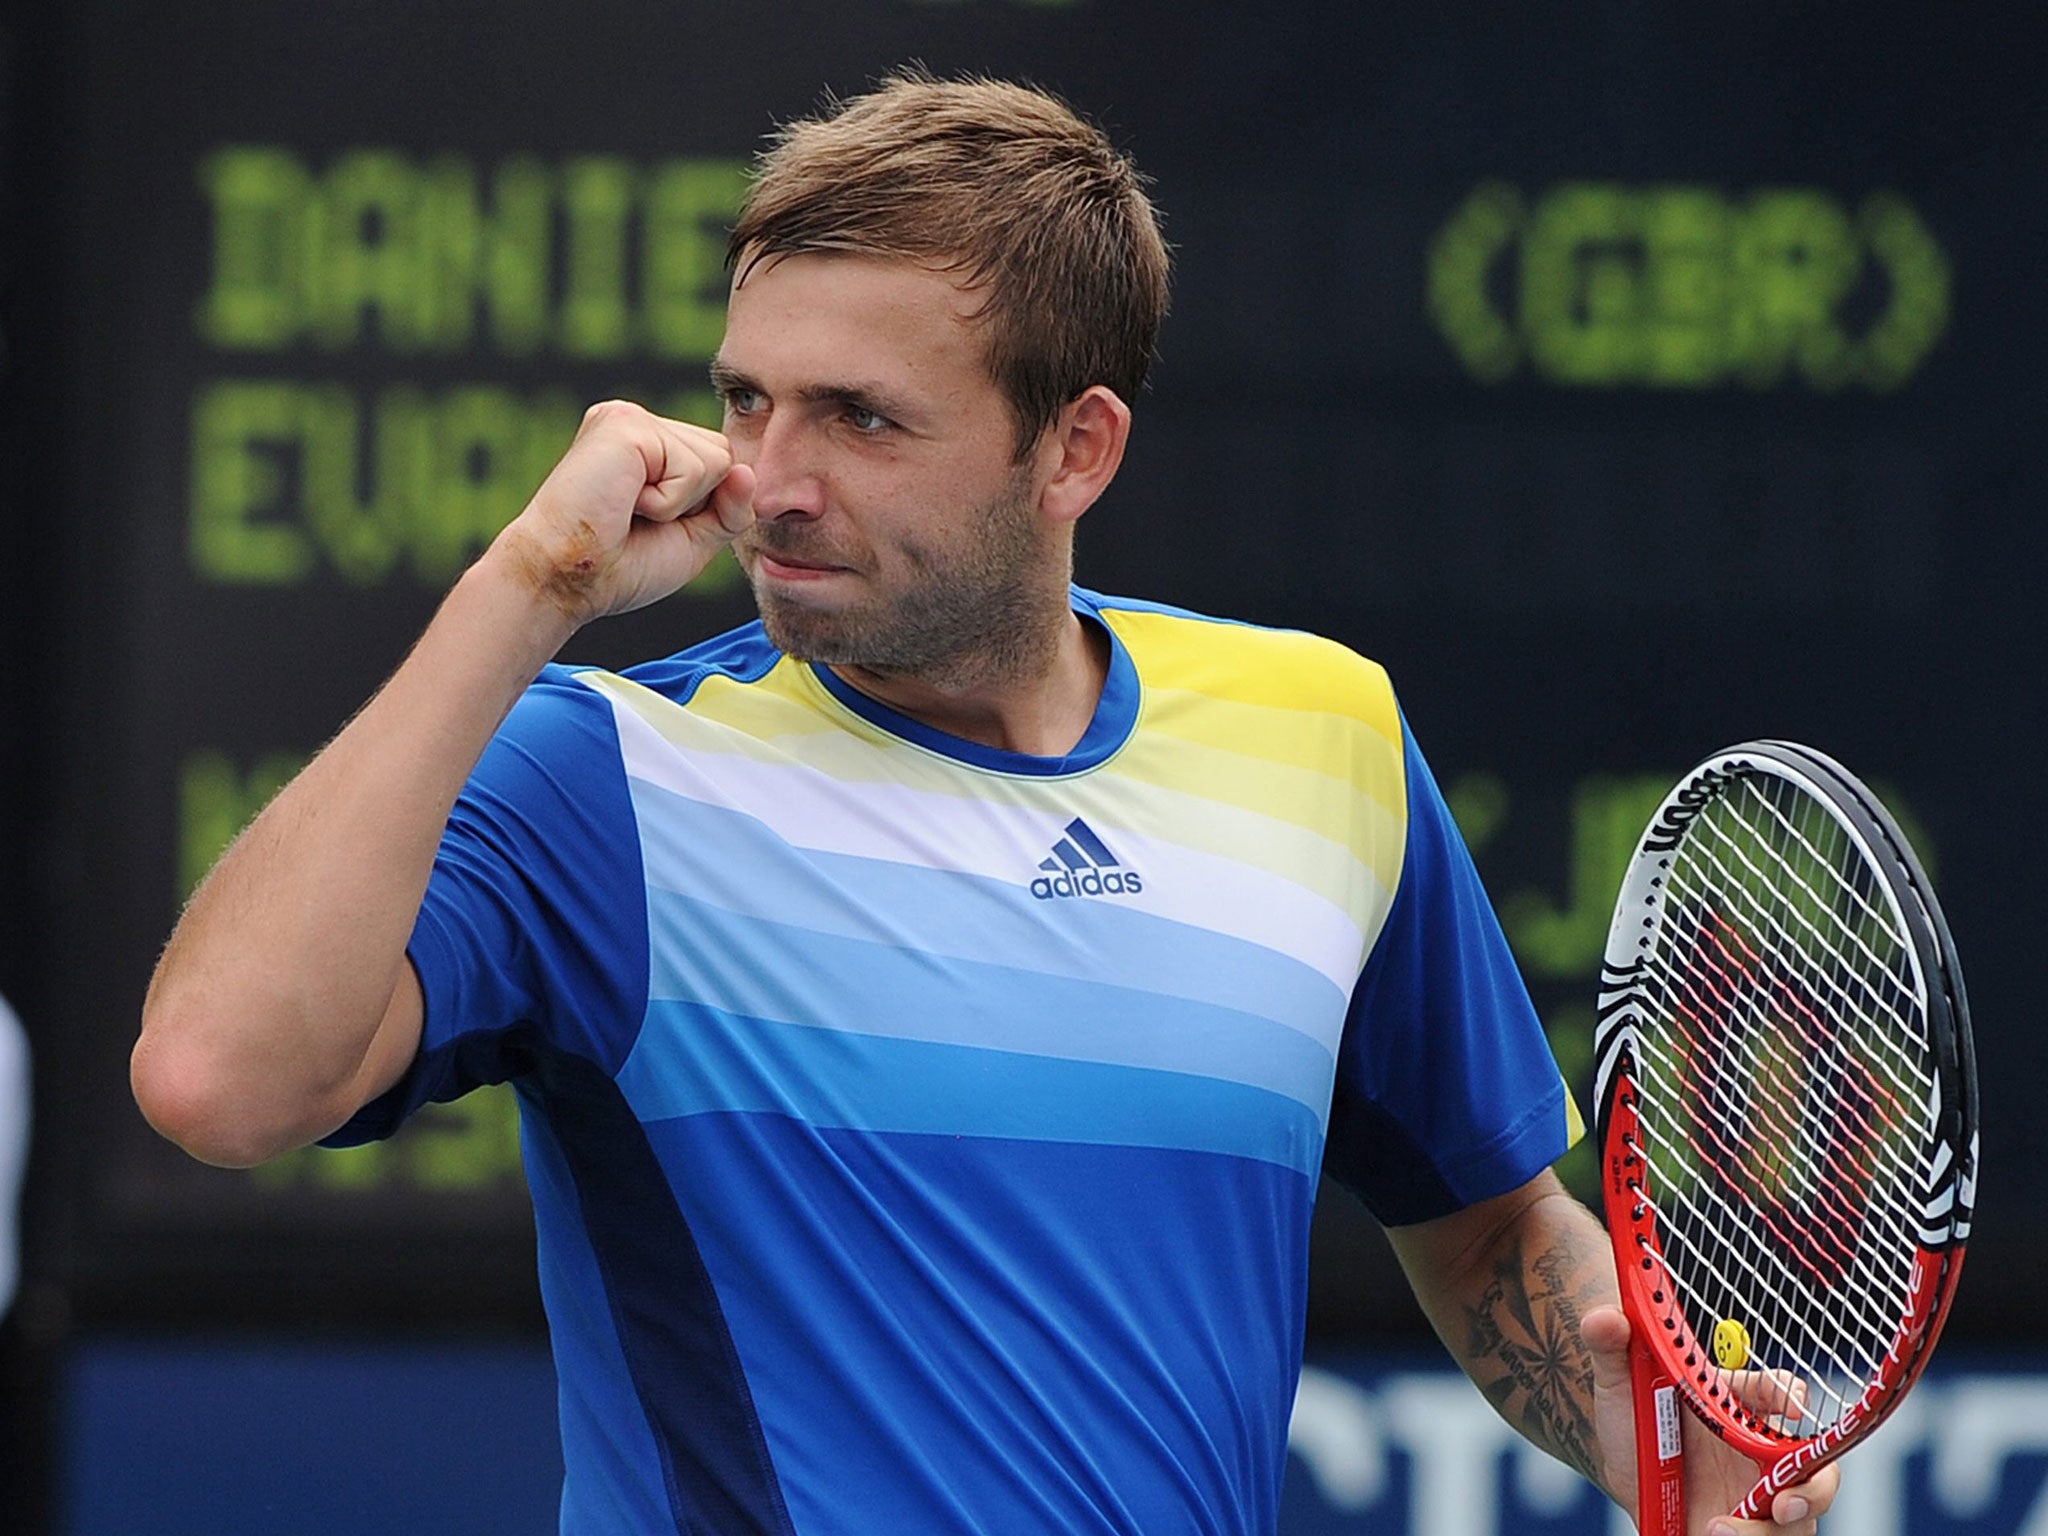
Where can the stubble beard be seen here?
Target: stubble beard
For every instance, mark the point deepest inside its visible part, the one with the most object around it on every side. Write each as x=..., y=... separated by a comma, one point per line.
x=987, y=611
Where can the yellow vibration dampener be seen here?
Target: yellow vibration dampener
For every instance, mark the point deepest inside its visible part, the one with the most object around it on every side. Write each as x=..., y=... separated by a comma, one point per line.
x=1731, y=1344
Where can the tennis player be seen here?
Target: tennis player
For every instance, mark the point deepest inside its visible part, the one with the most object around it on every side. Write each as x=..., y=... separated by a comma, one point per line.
x=931, y=1006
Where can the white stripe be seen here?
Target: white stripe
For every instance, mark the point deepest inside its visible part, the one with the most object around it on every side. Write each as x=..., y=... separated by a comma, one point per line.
x=1005, y=841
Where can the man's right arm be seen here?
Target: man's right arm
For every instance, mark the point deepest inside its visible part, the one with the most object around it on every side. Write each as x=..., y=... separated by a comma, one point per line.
x=284, y=1000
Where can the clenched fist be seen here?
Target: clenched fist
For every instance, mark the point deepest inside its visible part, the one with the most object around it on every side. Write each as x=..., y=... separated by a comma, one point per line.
x=636, y=508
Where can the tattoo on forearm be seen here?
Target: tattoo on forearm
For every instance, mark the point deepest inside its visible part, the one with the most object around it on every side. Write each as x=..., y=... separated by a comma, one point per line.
x=1524, y=1349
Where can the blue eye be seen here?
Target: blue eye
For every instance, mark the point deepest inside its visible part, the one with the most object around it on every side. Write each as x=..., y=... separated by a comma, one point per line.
x=742, y=402
x=865, y=421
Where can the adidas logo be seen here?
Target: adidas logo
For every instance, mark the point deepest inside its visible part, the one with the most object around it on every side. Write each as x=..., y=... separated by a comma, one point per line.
x=1082, y=865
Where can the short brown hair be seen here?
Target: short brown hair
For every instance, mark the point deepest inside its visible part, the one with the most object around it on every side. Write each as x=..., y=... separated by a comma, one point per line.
x=999, y=182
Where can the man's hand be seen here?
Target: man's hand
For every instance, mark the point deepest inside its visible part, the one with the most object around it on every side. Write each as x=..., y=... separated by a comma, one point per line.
x=1717, y=1477
x=1521, y=1288
x=634, y=510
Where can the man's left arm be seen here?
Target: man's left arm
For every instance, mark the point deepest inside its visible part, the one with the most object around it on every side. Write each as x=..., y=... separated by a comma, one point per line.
x=1521, y=1289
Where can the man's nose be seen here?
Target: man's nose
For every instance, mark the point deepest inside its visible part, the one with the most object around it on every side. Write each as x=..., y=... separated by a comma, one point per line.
x=788, y=479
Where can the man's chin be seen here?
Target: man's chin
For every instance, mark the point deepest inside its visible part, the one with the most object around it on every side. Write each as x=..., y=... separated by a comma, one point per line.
x=806, y=634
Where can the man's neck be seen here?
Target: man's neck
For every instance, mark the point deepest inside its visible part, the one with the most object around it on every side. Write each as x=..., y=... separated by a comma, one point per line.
x=1038, y=701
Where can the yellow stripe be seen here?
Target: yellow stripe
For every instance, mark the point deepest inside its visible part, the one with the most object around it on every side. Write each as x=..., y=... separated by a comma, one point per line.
x=788, y=717
x=725, y=714
x=1277, y=668
x=1574, y=1122
x=1307, y=857
x=1283, y=744
x=784, y=703
x=1324, y=804
x=1290, y=725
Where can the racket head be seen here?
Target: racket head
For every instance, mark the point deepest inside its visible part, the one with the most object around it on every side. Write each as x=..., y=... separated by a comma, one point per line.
x=1786, y=1103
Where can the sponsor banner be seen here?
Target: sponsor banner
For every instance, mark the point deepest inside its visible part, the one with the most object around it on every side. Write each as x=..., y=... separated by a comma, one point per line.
x=1410, y=1449
x=205, y=1436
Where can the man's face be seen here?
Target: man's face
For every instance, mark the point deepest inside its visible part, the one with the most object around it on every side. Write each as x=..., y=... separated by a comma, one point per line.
x=897, y=531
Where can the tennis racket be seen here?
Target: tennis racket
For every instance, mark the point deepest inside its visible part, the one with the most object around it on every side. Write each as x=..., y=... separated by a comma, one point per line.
x=1787, y=1118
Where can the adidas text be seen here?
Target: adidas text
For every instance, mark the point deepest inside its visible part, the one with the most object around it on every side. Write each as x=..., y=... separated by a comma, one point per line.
x=1089, y=882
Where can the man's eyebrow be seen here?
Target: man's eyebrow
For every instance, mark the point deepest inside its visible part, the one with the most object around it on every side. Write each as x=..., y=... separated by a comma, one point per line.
x=725, y=378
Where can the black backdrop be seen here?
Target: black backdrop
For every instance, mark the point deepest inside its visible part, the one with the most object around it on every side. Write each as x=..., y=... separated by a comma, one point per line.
x=1630, y=380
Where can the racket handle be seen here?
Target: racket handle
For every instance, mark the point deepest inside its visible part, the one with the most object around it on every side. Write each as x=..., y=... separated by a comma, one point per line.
x=1660, y=1464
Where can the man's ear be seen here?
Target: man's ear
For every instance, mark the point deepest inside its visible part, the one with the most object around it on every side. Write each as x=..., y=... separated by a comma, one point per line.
x=1081, y=451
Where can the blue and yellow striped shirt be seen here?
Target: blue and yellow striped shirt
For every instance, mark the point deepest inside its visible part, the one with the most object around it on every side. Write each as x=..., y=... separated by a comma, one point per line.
x=924, y=1136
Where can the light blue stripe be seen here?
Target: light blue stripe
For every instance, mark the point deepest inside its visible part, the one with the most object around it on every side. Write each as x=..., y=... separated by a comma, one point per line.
x=695, y=1060
x=703, y=954
x=732, y=860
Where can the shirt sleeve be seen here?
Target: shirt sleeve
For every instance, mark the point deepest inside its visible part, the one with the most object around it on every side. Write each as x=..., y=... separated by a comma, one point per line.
x=533, y=932
x=1447, y=1092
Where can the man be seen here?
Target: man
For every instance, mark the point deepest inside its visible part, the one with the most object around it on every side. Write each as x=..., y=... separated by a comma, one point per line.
x=930, y=1007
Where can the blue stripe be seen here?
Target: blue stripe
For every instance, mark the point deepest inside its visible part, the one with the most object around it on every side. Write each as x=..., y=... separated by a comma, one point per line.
x=614, y=1464
x=768, y=970
x=1116, y=716
x=1100, y=603
x=695, y=1060
x=744, y=655
x=1104, y=1338
x=746, y=874
x=716, y=1466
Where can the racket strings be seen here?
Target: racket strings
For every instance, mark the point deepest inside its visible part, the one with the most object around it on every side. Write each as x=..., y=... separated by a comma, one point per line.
x=1727, y=854
x=1783, y=1012
x=1822, y=1300
x=1722, y=1276
x=1855, y=974
x=1725, y=981
x=1890, y=1070
x=1704, y=1243
x=1800, y=1220
x=1862, y=1105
